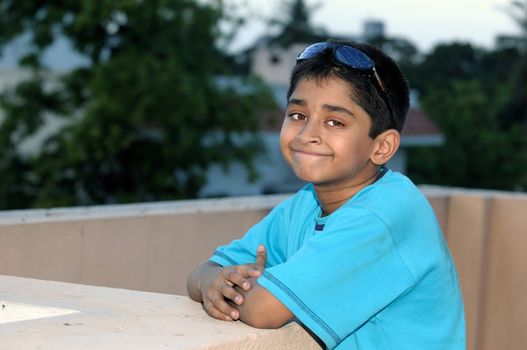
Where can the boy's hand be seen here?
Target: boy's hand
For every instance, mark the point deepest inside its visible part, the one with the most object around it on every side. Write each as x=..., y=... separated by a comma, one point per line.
x=221, y=290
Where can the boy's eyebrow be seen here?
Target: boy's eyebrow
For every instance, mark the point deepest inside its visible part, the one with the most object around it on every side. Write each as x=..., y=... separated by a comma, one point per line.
x=331, y=108
x=340, y=109
x=296, y=101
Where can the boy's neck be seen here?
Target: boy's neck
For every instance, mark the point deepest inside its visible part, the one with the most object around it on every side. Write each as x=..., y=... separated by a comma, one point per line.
x=332, y=197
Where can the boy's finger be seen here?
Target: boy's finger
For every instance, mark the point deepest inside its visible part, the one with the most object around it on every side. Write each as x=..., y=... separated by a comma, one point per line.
x=220, y=304
x=212, y=311
x=231, y=294
x=235, y=278
x=261, y=258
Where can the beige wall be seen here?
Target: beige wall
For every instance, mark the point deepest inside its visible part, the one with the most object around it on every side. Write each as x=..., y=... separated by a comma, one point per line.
x=465, y=234
x=487, y=235
x=153, y=247
x=146, y=247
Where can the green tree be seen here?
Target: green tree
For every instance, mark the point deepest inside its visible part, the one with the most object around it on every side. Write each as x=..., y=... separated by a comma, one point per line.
x=445, y=64
x=513, y=110
x=476, y=153
x=143, y=121
x=464, y=89
x=448, y=63
x=517, y=10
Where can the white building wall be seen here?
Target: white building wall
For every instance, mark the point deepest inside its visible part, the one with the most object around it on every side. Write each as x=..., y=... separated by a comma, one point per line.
x=274, y=65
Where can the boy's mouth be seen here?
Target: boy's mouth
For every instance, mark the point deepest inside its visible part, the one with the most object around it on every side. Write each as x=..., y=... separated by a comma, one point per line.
x=309, y=153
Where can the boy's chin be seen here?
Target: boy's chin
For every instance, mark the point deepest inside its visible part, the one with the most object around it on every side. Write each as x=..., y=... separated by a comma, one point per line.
x=316, y=178
x=305, y=177
x=317, y=181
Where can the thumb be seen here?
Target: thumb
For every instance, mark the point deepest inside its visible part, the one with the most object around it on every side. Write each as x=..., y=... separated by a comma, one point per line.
x=261, y=259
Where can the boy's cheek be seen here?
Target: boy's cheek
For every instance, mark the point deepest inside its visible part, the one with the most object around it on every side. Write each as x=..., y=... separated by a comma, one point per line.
x=284, y=147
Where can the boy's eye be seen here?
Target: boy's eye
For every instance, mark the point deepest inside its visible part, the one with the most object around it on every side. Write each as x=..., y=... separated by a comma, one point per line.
x=297, y=116
x=334, y=123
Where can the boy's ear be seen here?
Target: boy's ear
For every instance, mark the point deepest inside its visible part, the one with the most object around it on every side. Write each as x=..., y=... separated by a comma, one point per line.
x=386, y=144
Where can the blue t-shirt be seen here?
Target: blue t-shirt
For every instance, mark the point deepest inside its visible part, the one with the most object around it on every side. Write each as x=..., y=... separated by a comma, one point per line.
x=375, y=274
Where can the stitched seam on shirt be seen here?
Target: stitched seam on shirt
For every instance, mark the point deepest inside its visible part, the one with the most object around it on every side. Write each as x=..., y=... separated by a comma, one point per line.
x=225, y=257
x=303, y=306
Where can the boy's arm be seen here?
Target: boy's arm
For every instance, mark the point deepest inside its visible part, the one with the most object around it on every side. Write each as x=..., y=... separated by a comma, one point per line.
x=260, y=308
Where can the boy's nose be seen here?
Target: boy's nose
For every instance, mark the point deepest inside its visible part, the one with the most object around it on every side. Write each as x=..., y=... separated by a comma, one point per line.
x=310, y=133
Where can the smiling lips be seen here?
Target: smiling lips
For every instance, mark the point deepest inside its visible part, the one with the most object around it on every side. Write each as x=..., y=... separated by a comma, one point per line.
x=307, y=153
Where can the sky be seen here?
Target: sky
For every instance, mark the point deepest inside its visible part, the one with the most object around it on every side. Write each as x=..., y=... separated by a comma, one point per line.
x=425, y=23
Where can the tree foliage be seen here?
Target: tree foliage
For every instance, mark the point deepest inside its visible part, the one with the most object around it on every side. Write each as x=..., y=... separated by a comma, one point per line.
x=477, y=153
x=517, y=10
x=142, y=121
x=466, y=90
x=479, y=99
x=514, y=109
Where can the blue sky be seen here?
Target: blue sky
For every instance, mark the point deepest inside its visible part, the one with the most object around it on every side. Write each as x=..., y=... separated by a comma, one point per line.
x=424, y=22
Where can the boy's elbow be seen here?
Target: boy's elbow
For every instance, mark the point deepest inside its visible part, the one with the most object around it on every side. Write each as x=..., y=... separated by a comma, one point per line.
x=264, y=323
x=263, y=320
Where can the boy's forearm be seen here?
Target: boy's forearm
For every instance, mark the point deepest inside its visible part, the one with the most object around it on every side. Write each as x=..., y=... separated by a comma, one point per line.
x=200, y=276
x=261, y=309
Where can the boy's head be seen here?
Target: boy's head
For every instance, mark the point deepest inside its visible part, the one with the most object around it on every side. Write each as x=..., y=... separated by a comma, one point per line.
x=346, y=106
x=378, y=85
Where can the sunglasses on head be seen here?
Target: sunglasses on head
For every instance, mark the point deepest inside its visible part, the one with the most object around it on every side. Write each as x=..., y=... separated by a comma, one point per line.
x=350, y=57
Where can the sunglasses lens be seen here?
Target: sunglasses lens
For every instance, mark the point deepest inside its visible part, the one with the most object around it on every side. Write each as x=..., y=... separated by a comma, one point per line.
x=312, y=51
x=353, y=58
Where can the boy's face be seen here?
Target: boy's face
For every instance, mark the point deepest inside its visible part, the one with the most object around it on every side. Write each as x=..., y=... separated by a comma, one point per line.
x=324, y=135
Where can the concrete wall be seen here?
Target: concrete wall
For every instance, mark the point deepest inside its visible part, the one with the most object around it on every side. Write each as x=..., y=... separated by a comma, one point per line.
x=149, y=247
x=487, y=234
x=152, y=247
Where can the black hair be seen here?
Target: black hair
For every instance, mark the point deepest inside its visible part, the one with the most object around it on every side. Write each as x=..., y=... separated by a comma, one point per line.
x=367, y=93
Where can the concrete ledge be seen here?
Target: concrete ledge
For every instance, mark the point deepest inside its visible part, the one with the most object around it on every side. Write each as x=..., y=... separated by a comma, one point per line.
x=111, y=318
x=440, y=191
x=196, y=206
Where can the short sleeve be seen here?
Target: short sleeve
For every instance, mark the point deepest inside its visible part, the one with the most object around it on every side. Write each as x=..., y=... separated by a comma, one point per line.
x=342, y=276
x=243, y=250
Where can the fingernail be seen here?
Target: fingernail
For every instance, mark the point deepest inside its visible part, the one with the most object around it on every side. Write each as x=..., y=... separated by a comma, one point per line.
x=261, y=248
x=238, y=299
x=234, y=315
x=246, y=285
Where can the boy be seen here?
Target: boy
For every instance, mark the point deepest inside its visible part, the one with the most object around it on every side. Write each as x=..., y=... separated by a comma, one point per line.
x=357, y=255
